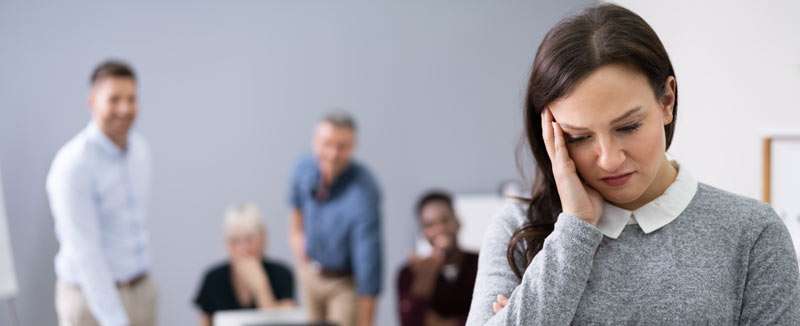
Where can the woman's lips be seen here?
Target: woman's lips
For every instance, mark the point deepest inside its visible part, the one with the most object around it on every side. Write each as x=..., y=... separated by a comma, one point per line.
x=618, y=180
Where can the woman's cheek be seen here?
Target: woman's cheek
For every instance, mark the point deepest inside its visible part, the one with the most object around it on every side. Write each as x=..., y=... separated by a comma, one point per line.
x=583, y=157
x=645, y=148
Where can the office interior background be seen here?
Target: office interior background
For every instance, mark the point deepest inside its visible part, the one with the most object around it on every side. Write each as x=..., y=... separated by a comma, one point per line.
x=230, y=91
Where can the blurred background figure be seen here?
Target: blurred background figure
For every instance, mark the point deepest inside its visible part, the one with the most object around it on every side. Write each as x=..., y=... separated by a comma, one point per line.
x=99, y=186
x=436, y=289
x=248, y=280
x=336, y=227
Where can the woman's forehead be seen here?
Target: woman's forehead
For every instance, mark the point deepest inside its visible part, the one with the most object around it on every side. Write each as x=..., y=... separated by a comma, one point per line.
x=606, y=95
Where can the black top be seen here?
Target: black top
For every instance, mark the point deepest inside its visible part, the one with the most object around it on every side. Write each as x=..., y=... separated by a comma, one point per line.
x=216, y=292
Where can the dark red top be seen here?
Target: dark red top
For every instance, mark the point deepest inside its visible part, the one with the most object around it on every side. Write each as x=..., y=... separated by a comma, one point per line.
x=448, y=300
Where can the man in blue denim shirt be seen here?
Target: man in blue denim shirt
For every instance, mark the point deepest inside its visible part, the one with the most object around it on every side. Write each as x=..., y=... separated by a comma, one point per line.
x=336, y=230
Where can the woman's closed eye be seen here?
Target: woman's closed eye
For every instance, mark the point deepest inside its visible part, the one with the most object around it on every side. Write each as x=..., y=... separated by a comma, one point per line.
x=630, y=128
x=570, y=139
x=627, y=129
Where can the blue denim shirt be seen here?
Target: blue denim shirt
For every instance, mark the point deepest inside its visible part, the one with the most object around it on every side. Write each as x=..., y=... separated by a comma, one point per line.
x=343, y=232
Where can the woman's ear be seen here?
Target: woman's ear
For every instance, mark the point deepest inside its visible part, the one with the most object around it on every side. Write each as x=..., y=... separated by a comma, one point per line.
x=667, y=101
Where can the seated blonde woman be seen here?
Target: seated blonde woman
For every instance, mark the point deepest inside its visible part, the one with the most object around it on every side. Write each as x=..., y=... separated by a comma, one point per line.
x=247, y=280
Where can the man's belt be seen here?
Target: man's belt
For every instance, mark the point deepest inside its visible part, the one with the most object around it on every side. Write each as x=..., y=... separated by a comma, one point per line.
x=133, y=281
x=330, y=273
x=334, y=274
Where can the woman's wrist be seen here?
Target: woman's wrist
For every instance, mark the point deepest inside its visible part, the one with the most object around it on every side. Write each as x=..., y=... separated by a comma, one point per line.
x=265, y=299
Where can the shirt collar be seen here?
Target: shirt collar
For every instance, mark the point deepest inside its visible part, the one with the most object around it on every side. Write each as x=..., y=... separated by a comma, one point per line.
x=343, y=178
x=655, y=214
x=102, y=141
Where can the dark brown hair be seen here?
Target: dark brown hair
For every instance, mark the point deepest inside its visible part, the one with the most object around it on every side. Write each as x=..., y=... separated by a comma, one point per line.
x=571, y=50
x=111, y=68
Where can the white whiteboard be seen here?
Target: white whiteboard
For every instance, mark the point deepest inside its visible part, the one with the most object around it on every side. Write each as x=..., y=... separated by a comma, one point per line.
x=8, y=280
x=785, y=185
x=475, y=212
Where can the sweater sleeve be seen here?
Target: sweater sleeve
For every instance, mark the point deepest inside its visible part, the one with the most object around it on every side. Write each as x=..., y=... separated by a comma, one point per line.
x=551, y=286
x=772, y=289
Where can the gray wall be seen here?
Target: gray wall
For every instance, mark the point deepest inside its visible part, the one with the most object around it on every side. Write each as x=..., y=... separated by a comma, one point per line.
x=229, y=95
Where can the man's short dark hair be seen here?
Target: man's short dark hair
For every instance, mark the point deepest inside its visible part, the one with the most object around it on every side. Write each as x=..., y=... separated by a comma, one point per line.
x=434, y=196
x=340, y=119
x=112, y=69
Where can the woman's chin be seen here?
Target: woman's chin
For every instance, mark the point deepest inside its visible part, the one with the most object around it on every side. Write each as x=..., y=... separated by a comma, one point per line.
x=621, y=197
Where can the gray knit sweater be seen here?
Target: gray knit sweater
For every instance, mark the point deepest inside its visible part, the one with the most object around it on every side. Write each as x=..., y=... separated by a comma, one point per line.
x=726, y=260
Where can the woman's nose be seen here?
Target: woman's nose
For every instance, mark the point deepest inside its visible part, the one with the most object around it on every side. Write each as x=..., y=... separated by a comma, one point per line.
x=611, y=155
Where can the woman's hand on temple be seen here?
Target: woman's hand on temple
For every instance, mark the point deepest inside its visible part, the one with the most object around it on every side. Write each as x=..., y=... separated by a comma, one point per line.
x=577, y=198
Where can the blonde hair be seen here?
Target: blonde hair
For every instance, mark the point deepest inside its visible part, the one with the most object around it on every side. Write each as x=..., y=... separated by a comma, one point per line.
x=244, y=218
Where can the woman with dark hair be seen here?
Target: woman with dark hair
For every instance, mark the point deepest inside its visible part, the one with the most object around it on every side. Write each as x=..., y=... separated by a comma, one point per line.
x=615, y=231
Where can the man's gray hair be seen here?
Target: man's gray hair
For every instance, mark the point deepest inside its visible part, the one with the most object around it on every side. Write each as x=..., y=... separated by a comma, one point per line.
x=340, y=119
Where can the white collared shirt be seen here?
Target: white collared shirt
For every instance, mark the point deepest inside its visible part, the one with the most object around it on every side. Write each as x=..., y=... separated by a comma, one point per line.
x=655, y=214
x=98, y=195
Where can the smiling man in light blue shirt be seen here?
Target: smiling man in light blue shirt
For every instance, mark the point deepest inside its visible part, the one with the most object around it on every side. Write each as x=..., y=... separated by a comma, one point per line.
x=98, y=188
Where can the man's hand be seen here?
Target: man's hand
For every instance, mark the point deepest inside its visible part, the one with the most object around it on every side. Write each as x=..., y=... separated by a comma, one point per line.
x=298, y=243
x=424, y=266
x=426, y=270
x=365, y=311
x=432, y=318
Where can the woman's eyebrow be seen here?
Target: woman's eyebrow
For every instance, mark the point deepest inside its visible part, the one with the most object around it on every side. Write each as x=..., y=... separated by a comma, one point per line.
x=627, y=114
x=624, y=116
x=569, y=126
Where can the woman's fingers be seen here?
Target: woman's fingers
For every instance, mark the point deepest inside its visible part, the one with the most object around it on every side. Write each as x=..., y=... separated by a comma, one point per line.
x=573, y=193
x=555, y=144
x=547, y=132
x=500, y=303
x=560, y=146
x=502, y=299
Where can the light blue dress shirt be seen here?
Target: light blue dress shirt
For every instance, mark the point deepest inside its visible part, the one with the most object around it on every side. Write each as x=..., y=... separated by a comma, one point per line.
x=98, y=196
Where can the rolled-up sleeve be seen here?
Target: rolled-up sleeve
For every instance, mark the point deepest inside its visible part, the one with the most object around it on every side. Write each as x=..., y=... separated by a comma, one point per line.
x=295, y=199
x=367, y=246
